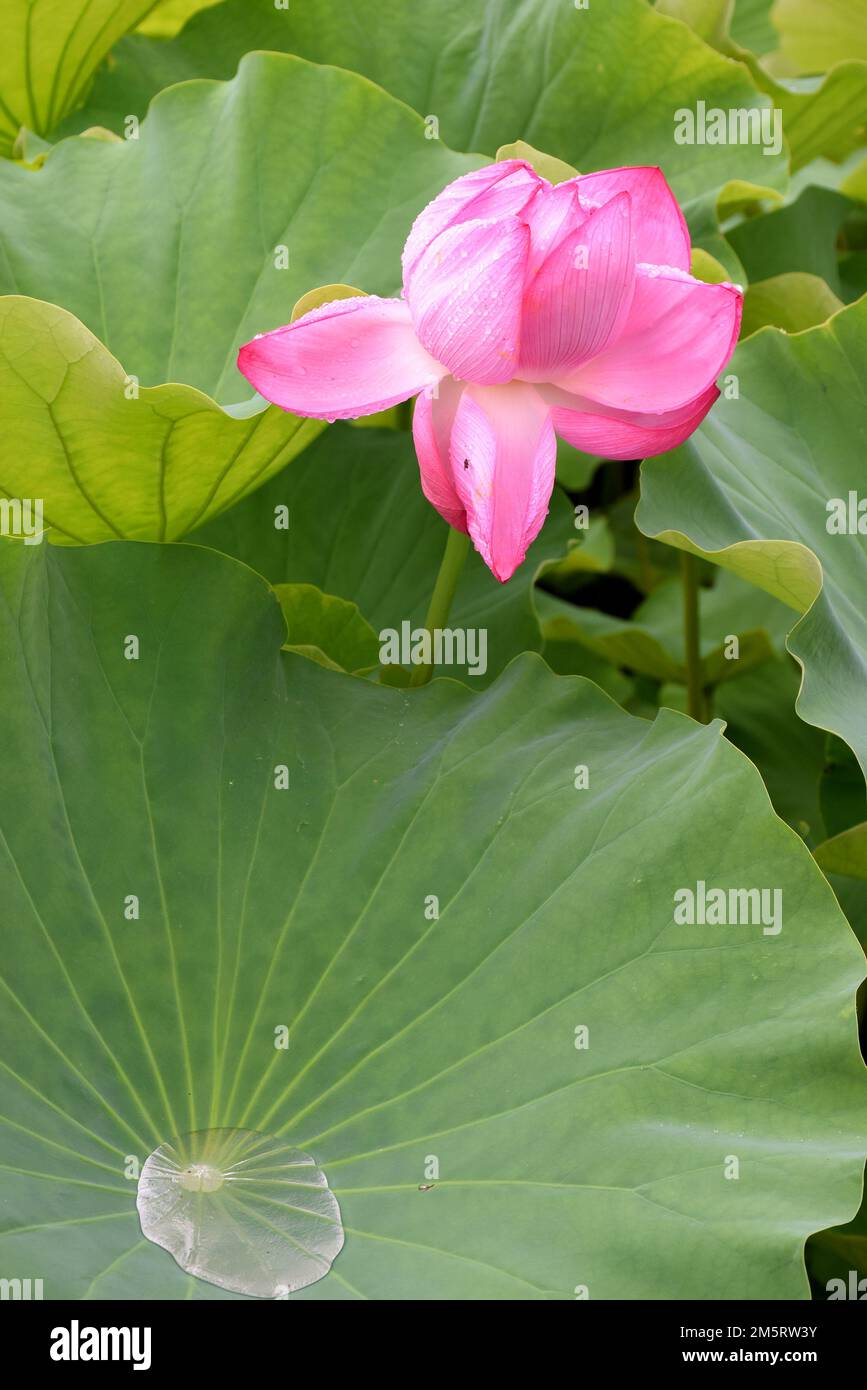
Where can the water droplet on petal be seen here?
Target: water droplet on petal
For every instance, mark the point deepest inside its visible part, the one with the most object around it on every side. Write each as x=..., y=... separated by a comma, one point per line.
x=242, y=1210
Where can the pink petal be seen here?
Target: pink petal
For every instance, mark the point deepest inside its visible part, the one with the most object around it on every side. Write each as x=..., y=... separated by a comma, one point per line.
x=498, y=190
x=553, y=213
x=466, y=298
x=676, y=340
x=622, y=435
x=661, y=233
x=503, y=451
x=348, y=358
x=580, y=298
x=431, y=429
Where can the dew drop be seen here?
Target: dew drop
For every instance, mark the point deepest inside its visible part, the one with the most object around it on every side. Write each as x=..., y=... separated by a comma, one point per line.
x=242, y=1210
x=200, y=1177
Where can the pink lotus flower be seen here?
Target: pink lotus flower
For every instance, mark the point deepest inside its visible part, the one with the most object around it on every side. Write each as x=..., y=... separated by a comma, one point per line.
x=529, y=310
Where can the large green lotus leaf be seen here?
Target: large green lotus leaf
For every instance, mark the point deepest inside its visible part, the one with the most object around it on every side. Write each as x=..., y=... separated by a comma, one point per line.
x=49, y=51
x=826, y=121
x=419, y=1032
x=854, y=181
x=359, y=527
x=752, y=27
x=759, y=712
x=171, y=15
x=799, y=237
x=826, y=118
x=651, y=641
x=596, y=87
x=853, y=274
x=815, y=34
x=710, y=19
x=327, y=629
x=751, y=491
x=793, y=301
x=849, y=177
x=167, y=247
x=845, y=853
x=569, y=658
x=109, y=460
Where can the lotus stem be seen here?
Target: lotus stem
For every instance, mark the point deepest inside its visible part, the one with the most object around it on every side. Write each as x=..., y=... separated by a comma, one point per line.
x=694, y=684
x=452, y=565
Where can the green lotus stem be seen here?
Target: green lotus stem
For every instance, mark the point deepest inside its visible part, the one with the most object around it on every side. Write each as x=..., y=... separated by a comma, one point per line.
x=454, y=555
x=694, y=685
